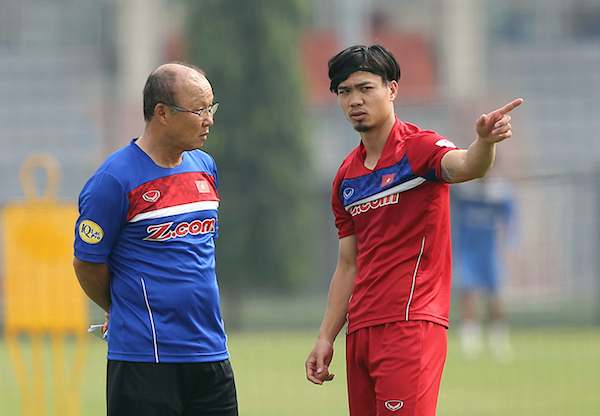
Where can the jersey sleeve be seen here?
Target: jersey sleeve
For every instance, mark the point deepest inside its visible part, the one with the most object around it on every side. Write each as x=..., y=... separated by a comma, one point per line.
x=343, y=219
x=425, y=151
x=102, y=214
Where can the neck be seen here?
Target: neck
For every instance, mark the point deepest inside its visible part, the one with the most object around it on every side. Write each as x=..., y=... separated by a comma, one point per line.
x=374, y=141
x=158, y=152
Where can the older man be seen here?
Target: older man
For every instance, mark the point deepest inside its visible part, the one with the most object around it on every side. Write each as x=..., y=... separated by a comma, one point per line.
x=144, y=251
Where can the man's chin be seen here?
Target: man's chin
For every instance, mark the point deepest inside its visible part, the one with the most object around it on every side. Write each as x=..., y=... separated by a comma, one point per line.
x=362, y=128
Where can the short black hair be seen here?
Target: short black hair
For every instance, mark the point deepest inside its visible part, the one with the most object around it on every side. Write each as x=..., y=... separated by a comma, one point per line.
x=160, y=88
x=376, y=59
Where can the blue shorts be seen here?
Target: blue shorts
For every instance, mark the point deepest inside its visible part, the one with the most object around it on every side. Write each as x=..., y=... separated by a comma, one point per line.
x=476, y=272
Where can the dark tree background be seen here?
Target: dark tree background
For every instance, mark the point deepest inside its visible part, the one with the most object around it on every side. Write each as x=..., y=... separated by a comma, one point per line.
x=249, y=51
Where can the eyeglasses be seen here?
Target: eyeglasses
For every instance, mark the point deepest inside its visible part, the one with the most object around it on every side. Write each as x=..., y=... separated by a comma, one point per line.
x=203, y=112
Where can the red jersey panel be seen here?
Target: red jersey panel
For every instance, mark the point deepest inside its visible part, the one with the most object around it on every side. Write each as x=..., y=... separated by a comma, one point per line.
x=400, y=213
x=156, y=199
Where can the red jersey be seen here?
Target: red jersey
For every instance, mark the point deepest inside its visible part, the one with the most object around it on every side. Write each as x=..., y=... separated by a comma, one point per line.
x=400, y=214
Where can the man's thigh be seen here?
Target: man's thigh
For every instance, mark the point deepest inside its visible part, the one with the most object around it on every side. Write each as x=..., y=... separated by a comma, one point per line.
x=361, y=390
x=403, y=363
x=215, y=393
x=167, y=389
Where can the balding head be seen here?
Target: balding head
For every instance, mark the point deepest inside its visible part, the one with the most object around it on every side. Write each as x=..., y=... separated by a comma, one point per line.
x=162, y=84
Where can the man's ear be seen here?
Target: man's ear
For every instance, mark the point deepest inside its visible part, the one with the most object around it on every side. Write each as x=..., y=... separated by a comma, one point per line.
x=160, y=112
x=393, y=86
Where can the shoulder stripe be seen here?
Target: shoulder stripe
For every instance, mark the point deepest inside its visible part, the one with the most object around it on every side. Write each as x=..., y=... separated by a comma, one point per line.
x=403, y=187
x=376, y=184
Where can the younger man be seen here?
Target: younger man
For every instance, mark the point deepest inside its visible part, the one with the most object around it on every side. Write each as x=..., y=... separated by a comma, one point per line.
x=391, y=205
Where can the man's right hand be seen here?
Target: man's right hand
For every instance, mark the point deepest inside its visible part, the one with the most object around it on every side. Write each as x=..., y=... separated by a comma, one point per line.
x=317, y=364
x=105, y=324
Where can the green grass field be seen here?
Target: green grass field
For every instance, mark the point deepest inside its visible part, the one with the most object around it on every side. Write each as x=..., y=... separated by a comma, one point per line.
x=555, y=372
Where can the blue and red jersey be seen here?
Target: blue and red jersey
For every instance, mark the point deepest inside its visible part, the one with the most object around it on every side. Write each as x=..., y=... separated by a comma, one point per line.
x=155, y=228
x=400, y=214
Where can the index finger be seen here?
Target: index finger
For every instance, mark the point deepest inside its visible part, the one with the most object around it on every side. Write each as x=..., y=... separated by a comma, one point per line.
x=511, y=106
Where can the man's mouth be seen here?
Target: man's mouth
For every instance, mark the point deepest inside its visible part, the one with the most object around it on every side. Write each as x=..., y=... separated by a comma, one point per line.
x=357, y=115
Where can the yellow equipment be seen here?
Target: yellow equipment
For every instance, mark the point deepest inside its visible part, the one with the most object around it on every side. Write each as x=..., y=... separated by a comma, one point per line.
x=42, y=298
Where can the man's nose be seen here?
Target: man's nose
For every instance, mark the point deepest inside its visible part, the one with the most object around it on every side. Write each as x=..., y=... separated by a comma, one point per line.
x=355, y=99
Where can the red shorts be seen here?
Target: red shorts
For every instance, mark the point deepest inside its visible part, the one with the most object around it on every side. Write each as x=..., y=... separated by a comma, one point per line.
x=396, y=367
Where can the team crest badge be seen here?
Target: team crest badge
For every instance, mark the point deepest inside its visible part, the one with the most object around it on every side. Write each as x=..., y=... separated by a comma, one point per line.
x=203, y=187
x=387, y=179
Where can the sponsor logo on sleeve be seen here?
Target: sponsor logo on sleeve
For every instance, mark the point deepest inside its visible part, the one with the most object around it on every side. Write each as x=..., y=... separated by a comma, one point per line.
x=90, y=232
x=445, y=143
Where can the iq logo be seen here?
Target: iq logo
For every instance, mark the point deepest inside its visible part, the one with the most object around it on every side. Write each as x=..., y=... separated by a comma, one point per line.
x=90, y=232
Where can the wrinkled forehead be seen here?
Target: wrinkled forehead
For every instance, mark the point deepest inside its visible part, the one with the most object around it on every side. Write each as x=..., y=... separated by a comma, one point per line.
x=195, y=87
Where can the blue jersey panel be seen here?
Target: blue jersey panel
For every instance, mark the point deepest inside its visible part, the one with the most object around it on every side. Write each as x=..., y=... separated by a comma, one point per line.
x=157, y=229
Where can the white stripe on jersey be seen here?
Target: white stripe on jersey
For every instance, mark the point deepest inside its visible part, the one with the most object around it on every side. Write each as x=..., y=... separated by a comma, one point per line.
x=179, y=209
x=414, y=280
x=151, y=320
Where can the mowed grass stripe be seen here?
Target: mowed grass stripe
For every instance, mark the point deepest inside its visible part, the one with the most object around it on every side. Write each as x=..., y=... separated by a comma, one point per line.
x=555, y=372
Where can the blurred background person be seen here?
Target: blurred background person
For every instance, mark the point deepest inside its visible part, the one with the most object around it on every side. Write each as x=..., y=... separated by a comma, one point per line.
x=485, y=227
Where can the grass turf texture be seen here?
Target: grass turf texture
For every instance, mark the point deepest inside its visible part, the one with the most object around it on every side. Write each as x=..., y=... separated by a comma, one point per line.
x=554, y=372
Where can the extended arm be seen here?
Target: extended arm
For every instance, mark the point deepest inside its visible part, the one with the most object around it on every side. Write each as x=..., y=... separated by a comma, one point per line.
x=476, y=161
x=94, y=279
x=340, y=290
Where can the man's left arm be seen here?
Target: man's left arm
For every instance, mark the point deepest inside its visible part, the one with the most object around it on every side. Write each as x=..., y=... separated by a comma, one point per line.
x=94, y=279
x=476, y=161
